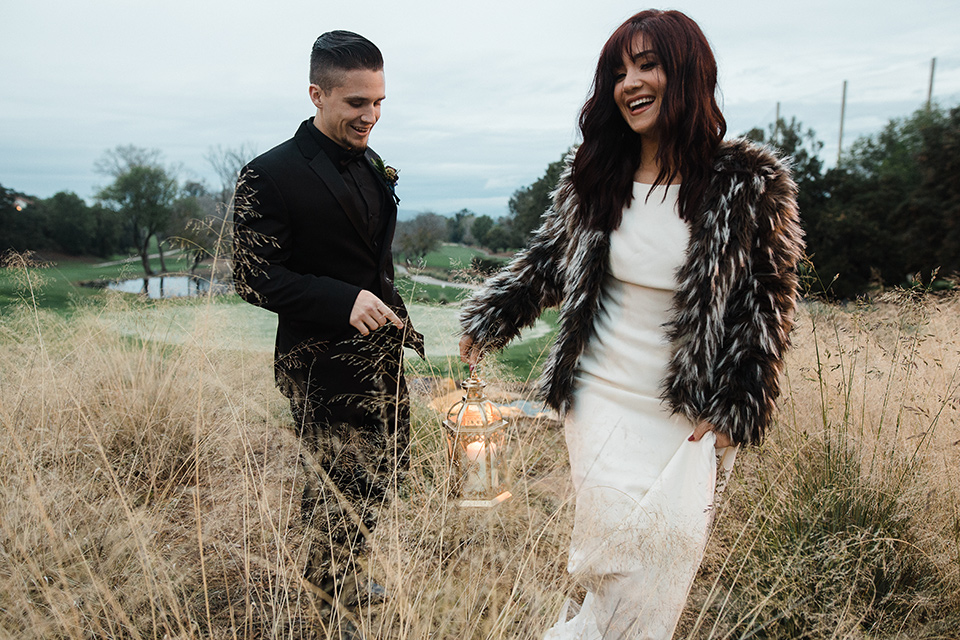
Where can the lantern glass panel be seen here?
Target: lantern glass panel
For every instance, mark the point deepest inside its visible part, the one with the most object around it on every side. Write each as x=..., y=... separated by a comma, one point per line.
x=476, y=445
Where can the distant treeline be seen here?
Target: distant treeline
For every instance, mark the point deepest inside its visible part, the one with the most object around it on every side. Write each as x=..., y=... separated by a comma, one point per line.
x=145, y=206
x=417, y=237
x=61, y=223
x=887, y=215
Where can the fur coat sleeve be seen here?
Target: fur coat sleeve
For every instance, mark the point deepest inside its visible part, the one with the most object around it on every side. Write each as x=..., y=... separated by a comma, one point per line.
x=733, y=307
x=514, y=298
x=736, y=296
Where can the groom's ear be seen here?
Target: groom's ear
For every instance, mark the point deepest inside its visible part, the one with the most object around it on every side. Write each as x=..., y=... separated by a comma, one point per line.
x=316, y=96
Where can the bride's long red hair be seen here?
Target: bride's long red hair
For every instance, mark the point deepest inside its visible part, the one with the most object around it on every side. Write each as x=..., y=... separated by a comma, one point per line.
x=690, y=122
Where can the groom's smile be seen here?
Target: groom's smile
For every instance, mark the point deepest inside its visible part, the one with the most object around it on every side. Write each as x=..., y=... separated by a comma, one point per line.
x=346, y=114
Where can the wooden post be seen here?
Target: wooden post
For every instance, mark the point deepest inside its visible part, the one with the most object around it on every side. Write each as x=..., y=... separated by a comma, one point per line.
x=776, y=127
x=843, y=108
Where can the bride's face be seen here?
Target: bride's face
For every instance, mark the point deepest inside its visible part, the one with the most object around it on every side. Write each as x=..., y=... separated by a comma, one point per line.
x=639, y=88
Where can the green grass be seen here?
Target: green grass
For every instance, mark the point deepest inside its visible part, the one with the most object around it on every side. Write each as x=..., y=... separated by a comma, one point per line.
x=55, y=284
x=452, y=257
x=525, y=359
x=54, y=287
x=60, y=290
x=450, y=261
x=429, y=293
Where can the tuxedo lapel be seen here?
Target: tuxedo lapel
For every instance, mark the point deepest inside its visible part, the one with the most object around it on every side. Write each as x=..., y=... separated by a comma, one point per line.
x=389, y=202
x=390, y=210
x=323, y=167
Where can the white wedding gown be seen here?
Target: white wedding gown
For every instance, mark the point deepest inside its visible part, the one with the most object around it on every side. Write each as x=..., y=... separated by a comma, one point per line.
x=644, y=493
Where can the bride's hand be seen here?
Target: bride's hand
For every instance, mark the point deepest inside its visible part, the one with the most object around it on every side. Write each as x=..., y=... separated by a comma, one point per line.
x=723, y=440
x=468, y=352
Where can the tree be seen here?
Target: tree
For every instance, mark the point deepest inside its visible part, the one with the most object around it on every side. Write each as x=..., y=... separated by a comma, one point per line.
x=479, y=229
x=115, y=162
x=528, y=204
x=143, y=193
x=414, y=239
x=458, y=227
x=197, y=223
x=875, y=184
x=499, y=238
x=227, y=162
x=9, y=219
x=69, y=221
x=200, y=223
x=888, y=212
x=843, y=238
x=940, y=161
x=21, y=230
x=108, y=237
x=926, y=221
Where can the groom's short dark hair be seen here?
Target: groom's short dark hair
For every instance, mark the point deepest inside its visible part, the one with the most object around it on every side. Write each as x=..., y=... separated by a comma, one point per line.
x=337, y=51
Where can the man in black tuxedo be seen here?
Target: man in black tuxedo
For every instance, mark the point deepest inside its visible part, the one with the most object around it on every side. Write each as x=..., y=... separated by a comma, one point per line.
x=314, y=223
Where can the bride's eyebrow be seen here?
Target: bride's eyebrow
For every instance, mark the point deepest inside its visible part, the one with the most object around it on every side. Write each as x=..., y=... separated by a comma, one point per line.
x=641, y=54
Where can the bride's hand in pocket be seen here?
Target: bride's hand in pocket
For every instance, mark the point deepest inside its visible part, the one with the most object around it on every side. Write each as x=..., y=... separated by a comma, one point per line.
x=723, y=440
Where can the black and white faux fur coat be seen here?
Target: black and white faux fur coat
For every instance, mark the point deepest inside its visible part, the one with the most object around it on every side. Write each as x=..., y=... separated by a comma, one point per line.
x=732, y=310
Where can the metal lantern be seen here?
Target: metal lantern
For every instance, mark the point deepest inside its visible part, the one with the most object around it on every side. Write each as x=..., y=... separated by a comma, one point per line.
x=476, y=448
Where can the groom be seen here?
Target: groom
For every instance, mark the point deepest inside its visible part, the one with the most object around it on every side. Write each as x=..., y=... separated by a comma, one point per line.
x=314, y=222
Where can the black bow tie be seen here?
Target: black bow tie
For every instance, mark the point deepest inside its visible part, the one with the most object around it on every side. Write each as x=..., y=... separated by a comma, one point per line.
x=348, y=157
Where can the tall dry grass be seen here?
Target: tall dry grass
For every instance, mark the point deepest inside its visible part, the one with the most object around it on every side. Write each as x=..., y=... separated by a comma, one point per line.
x=152, y=490
x=846, y=522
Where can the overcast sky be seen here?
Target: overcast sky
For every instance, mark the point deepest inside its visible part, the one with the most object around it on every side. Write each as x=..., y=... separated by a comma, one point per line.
x=481, y=96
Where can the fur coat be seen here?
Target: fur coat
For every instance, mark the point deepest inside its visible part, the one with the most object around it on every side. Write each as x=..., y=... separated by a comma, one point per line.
x=732, y=310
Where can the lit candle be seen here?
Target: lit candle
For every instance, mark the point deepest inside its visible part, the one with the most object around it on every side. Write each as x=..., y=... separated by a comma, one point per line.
x=475, y=450
x=475, y=481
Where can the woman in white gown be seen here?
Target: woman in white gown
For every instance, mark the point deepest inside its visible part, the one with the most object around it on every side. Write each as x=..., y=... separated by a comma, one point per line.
x=672, y=256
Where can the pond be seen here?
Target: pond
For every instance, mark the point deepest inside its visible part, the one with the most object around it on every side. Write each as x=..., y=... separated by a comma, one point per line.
x=157, y=287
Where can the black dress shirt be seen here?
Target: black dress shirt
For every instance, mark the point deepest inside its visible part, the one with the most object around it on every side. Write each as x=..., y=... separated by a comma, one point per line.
x=361, y=182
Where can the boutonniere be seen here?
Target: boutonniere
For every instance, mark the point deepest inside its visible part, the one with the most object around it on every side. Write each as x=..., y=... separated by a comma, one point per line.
x=389, y=175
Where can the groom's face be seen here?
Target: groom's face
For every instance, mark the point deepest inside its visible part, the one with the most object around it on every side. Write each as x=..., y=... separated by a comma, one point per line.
x=348, y=112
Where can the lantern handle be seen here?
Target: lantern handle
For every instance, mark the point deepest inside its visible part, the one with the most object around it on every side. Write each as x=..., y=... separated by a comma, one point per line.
x=474, y=376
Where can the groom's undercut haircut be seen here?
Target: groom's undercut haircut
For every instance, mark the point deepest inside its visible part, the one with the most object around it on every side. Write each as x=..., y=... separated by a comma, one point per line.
x=335, y=52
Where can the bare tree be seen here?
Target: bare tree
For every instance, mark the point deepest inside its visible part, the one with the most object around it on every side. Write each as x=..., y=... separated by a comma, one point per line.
x=415, y=238
x=116, y=162
x=227, y=162
x=143, y=192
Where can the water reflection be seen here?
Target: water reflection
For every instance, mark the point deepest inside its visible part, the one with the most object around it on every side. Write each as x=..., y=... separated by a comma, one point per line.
x=157, y=287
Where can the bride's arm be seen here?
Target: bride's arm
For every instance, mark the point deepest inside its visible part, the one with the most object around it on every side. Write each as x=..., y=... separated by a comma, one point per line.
x=513, y=298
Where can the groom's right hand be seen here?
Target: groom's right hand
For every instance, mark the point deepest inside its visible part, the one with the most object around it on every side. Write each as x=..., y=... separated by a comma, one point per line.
x=370, y=313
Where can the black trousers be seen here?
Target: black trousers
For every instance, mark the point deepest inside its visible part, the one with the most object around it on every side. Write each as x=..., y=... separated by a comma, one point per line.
x=352, y=415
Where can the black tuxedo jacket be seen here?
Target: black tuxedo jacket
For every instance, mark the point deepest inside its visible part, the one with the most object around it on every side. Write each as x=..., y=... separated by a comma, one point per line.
x=302, y=250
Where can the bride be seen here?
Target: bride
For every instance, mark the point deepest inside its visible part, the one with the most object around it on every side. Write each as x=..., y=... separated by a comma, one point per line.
x=671, y=254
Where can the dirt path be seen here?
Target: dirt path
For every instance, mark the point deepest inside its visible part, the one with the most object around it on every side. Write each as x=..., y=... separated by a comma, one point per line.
x=403, y=271
x=114, y=263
